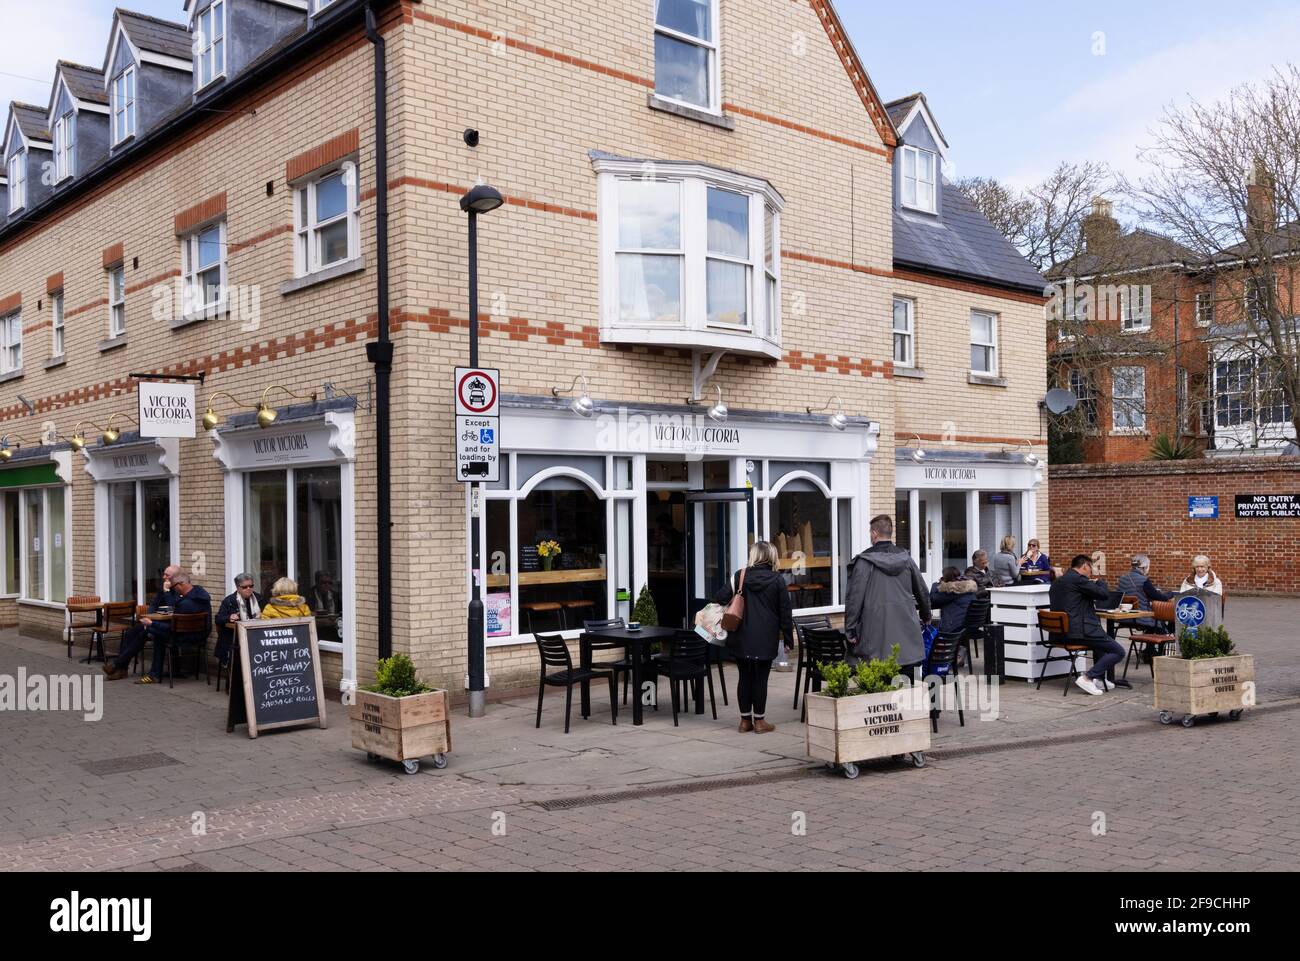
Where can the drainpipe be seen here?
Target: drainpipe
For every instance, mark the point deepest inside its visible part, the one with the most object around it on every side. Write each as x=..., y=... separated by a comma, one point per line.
x=380, y=352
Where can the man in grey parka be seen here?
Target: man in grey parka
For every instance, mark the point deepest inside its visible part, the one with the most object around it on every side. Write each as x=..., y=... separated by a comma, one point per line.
x=886, y=592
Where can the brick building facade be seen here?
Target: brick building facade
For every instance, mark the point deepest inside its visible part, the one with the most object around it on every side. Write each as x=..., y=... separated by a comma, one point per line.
x=667, y=237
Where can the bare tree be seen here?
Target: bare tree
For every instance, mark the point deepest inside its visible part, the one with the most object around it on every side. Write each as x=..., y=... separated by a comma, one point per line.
x=1225, y=181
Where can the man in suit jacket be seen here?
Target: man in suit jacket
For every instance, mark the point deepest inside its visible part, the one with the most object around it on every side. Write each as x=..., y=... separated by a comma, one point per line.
x=245, y=604
x=1076, y=594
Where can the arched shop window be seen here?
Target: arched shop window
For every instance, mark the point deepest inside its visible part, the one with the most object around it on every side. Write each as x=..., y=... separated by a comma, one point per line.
x=561, y=512
x=800, y=523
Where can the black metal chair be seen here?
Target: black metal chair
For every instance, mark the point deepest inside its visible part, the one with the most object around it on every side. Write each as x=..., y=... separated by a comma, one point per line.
x=687, y=665
x=802, y=664
x=554, y=652
x=946, y=651
x=622, y=665
x=1053, y=632
x=187, y=631
x=977, y=618
x=824, y=647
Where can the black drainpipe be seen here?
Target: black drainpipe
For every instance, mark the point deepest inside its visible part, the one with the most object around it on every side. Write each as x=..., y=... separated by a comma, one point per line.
x=380, y=352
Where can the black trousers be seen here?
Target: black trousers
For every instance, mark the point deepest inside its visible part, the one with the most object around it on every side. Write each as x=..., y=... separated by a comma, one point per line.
x=133, y=642
x=751, y=689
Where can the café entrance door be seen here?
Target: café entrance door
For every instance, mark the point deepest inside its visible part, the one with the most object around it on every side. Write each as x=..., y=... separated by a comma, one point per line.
x=720, y=527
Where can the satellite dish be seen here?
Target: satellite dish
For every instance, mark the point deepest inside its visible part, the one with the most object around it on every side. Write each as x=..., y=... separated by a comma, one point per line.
x=1060, y=401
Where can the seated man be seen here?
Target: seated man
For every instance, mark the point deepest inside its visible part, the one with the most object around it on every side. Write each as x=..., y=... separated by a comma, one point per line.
x=191, y=599
x=133, y=640
x=245, y=604
x=1075, y=594
x=1137, y=583
x=979, y=570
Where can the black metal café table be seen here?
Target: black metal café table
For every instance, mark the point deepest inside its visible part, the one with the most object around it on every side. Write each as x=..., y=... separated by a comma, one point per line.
x=637, y=644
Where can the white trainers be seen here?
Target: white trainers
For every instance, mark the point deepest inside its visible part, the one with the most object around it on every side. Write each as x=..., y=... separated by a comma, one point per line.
x=1085, y=683
x=1105, y=685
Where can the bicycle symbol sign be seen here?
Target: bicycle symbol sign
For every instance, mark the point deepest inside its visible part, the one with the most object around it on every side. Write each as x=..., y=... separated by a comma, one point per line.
x=1191, y=612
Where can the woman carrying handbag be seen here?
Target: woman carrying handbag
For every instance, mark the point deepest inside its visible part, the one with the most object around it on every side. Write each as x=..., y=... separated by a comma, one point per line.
x=757, y=595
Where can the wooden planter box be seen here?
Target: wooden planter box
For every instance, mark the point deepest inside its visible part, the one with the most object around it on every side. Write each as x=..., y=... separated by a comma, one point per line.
x=1207, y=686
x=867, y=726
x=401, y=728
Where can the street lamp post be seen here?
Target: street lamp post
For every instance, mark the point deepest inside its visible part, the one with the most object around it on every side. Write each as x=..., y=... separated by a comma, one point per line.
x=481, y=199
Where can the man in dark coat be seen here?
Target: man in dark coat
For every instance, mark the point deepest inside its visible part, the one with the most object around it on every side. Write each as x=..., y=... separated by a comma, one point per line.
x=245, y=604
x=887, y=601
x=135, y=637
x=1076, y=595
x=979, y=570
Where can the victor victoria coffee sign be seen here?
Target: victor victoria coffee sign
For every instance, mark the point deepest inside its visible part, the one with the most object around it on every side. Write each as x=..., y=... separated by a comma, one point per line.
x=166, y=410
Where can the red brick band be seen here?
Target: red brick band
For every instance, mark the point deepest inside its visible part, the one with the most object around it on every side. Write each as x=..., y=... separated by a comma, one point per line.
x=54, y=283
x=114, y=255
x=204, y=210
x=11, y=303
x=331, y=151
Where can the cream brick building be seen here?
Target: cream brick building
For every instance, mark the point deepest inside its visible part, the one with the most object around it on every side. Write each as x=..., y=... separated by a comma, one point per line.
x=709, y=204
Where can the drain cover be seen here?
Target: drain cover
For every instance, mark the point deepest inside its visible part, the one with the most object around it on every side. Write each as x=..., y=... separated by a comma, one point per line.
x=125, y=765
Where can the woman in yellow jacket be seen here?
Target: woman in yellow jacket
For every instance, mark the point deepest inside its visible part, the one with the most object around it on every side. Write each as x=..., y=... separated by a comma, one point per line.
x=285, y=601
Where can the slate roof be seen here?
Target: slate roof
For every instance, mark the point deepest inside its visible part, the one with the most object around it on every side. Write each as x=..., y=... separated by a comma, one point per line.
x=33, y=121
x=1134, y=250
x=1285, y=240
x=960, y=242
x=156, y=36
x=86, y=83
x=900, y=108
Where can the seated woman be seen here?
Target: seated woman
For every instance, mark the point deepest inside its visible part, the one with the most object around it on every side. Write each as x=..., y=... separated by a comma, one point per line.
x=951, y=597
x=285, y=600
x=1035, y=566
x=1202, y=577
x=1137, y=583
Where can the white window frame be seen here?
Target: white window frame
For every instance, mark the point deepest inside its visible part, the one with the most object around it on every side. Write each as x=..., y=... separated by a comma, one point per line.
x=712, y=68
x=205, y=44
x=1252, y=312
x=65, y=146
x=916, y=154
x=47, y=553
x=695, y=181
x=17, y=170
x=124, y=107
x=192, y=302
x=306, y=243
x=908, y=335
x=11, y=342
x=116, y=301
x=1134, y=413
x=1204, y=309
x=992, y=344
x=57, y=325
x=1081, y=385
x=1135, y=318
x=752, y=265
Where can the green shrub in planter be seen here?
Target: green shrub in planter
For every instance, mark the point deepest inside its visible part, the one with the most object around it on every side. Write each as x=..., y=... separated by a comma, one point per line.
x=395, y=677
x=645, y=612
x=872, y=677
x=1206, y=642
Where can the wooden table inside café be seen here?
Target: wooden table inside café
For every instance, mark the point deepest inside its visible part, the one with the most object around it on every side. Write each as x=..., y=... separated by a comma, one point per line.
x=636, y=643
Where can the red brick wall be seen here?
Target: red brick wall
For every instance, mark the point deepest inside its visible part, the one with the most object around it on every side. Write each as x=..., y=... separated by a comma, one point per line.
x=1125, y=509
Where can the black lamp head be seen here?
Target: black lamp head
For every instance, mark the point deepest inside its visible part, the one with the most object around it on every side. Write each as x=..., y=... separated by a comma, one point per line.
x=481, y=199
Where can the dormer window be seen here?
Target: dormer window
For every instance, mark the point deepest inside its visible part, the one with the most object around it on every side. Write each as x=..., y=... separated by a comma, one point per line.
x=65, y=147
x=210, y=44
x=18, y=181
x=919, y=180
x=122, y=97
x=686, y=53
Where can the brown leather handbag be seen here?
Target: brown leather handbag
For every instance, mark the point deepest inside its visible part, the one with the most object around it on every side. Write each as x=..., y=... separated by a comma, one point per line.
x=735, y=612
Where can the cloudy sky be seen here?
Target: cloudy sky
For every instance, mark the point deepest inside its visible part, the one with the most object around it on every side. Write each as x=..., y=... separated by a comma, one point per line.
x=1017, y=85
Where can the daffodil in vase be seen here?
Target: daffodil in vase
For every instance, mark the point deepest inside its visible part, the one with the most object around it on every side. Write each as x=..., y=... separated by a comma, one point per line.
x=548, y=551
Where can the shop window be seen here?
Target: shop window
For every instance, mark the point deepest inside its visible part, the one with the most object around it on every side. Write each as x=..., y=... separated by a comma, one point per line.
x=686, y=52
x=799, y=524
x=140, y=538
x=293, y=527
x=13, y=542
x=497, y=609
x=563, y=513
x=35, y=548
x=122, y=583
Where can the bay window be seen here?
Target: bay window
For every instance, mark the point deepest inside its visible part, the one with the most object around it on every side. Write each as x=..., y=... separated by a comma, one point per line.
x=686, y=52
x=17, y=171
x=210, y=45
x=65, y=146
x=326, y=221
x=919, y=181
x=203, y=266
x=122, y=97
x=35, y=542
x=689, y=256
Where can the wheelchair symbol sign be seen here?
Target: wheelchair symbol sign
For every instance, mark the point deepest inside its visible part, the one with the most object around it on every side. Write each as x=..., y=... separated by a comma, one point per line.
x=1191, y=612
x=487, y=435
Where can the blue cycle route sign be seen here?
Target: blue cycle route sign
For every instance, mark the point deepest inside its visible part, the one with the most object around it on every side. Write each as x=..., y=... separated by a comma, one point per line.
x=1190, y=613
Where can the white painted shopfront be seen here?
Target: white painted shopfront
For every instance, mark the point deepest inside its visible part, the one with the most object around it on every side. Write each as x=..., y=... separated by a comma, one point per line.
x=954, y=503
x=662, y=496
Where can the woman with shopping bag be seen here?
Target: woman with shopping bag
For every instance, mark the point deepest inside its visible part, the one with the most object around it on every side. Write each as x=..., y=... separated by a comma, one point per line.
x=757, y=617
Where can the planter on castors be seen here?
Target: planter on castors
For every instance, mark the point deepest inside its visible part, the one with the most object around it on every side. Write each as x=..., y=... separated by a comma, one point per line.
x=1199, y=683
x=845, y=729
x=402, y=727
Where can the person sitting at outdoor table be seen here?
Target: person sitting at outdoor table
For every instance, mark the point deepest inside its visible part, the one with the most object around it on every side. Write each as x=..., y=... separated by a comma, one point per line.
x=1006, y=563
x=1202, y=577
x=286, y=601
x=1137, y=583
x=979, y=570
x=1035, y=566
x=133, y=640
x=1076, y=595
x=245, y=604
x=191, y=599
x=952, y=596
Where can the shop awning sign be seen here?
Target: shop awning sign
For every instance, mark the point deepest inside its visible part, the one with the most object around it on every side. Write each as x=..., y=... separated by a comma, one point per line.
x=478, y=424
x=166, y=409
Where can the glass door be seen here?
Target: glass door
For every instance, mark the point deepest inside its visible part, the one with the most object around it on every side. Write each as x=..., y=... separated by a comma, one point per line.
x=713, y=552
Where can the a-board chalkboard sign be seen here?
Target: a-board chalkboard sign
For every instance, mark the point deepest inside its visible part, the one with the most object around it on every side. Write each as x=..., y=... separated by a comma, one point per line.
x=279, y=665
